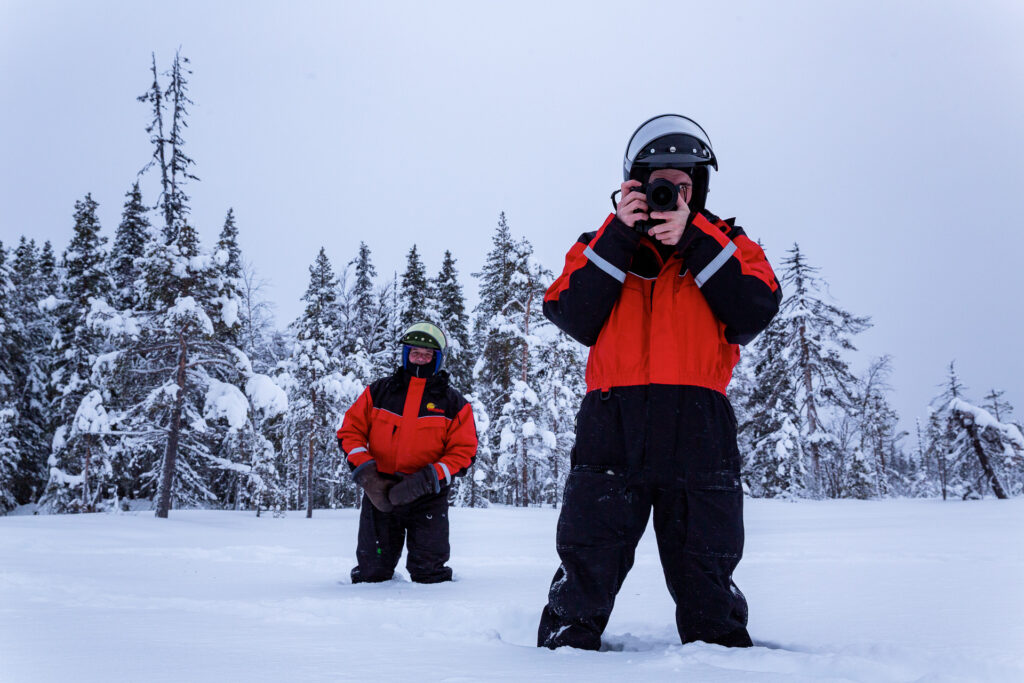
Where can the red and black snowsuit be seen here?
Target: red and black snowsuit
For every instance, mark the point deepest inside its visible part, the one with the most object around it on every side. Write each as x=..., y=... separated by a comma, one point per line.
x=655, y=429
x=403, y=424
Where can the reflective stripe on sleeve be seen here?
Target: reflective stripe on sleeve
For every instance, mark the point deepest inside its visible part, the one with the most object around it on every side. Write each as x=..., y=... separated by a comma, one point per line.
x=604, y=265
x=715, y=264
x=361, y=449
x=447, y=472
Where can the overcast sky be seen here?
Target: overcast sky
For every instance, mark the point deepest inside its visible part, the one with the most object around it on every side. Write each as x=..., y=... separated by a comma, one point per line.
x=887, y=138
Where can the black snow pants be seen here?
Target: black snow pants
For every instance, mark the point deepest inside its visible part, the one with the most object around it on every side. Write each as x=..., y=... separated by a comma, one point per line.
x=382, y=535
x=667, y=449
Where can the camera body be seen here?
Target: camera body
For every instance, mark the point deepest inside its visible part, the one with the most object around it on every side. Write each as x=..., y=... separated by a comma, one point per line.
x=662, y=195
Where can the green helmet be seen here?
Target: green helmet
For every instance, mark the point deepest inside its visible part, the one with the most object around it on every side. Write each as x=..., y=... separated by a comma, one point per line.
x=425, y=335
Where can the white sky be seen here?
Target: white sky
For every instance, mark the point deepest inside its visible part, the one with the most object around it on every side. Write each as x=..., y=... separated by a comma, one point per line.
x=885, y=137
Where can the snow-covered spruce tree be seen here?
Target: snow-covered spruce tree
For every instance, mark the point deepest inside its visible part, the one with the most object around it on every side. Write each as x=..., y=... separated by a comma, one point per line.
x=321, y=393
x=922, y=477
x=80, y=468
x=227, y=284
x=12, y=364
x=389, y=313
x=364, y=342
x=774, y=464
x=228, y=259
x=449, y=304
x=878, y=431
x=561, y=369
x=177, y=392
x=258, y=337
x=495, y=368
x=938, y=449
x=1013, y=466
x=415, y=290
x=983, y=450
x=262, y=344
x=174, y=386
x=802, y=379
x=33, y=295
x=128, y=249
x=474, y=490
x=507, y=372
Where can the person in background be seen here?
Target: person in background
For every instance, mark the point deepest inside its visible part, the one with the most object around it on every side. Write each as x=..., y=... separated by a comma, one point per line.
x=405, y=439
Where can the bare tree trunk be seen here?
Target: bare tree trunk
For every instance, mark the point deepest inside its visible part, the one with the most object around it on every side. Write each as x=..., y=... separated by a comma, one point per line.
x=86, y=504
x=526, y=365
x=309, y=466
x=812, y=411
x=171, y=454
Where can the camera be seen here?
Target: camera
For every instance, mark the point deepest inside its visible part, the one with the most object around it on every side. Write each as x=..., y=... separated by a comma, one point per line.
x=662, y=195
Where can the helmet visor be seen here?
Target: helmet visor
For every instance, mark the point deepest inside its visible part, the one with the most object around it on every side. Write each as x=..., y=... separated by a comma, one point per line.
x=426, y=335
x=660, y=126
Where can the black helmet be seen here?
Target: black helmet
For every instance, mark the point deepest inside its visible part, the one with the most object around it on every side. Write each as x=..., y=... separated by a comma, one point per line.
x=671, y=141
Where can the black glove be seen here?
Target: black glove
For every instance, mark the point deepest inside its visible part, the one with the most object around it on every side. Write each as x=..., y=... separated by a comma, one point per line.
x=376, y=486
x=415, y=486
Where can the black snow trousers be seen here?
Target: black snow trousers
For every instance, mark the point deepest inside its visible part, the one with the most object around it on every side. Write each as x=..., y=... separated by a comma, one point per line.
x=382, y=535
x=667, y=449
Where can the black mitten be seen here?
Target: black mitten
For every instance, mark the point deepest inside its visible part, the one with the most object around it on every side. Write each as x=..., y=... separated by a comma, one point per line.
x=415, y=486
x=376, y=486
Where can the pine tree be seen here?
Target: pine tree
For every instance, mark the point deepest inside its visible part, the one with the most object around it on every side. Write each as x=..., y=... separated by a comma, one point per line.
x=128, y=249
x=80, y=470
x=260, y=342
x=1000, y=409
x=415, y=291
x=982, y=450
x=188, y=408
x=322, y=393
x=179, y=165
x=368, y=339
x=561, y=368
x=364, y=302
x=175, y=396
x=877, y=425
x=802, y=379
x=228, y=258
x=11, y=364
x=34, y=426
x=512, y=287
x=450, y=306
x=154, y=96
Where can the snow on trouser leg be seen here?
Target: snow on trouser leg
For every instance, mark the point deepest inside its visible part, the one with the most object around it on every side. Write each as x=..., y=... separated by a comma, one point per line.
x=429, y=549
x=700, y=558
x=598, y=529
x=379, y=544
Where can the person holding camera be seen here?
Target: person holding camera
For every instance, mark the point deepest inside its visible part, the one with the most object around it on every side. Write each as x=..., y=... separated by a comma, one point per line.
x=405, y=438
x=664, y=293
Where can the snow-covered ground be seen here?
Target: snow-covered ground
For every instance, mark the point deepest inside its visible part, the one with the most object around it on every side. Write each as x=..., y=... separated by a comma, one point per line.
x=861, y=591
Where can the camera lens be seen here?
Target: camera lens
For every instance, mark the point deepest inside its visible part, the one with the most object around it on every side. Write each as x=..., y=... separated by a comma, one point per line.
x=662, y=195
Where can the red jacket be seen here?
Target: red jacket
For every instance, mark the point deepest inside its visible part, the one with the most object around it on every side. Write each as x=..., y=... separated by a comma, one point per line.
x=405, y=423
x=664, y=316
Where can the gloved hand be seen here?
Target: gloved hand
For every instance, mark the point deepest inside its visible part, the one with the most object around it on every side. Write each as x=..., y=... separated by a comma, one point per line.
x=415, y=486
x=376, y=486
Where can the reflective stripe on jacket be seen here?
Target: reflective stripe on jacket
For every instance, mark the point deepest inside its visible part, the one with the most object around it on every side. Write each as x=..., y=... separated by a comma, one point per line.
x=405, y=423
x=658, y=316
